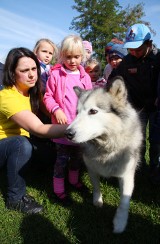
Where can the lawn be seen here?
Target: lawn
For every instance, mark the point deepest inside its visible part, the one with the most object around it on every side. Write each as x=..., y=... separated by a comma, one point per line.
x=81, y=222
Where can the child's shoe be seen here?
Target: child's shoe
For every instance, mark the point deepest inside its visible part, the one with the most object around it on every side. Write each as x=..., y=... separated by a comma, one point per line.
x=62, y=199
x=79, y=187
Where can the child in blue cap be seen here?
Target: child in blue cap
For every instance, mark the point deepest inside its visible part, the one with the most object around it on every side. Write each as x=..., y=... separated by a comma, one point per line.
x=116, y=54
x=108, y=68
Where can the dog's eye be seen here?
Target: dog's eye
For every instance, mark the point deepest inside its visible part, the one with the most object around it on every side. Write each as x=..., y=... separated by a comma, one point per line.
x=92, y=111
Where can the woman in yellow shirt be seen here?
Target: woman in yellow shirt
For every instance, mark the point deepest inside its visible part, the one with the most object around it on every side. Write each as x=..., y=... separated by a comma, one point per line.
x=19, y=101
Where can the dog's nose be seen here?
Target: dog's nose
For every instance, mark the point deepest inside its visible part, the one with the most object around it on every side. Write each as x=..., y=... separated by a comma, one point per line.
x=70, y=134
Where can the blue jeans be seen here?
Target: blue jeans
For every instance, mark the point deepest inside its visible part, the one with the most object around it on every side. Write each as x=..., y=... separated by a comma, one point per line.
x=15, y=152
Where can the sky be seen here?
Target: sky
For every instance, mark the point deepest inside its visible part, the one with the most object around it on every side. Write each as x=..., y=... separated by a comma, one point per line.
x=22, y=23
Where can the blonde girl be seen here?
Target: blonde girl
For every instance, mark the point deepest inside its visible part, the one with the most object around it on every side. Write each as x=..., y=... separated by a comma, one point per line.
x=61, y=101
x=46, y=52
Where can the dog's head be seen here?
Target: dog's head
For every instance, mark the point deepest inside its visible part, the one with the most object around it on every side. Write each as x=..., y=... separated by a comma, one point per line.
x=99, y=111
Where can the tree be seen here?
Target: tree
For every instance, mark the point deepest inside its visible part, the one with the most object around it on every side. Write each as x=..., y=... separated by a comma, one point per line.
x=101, y=20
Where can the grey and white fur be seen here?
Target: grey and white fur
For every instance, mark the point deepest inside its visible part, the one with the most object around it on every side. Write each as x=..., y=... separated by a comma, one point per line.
x=109, y=129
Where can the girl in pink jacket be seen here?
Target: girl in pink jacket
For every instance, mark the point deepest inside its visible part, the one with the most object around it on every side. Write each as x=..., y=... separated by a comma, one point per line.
x=61, y=102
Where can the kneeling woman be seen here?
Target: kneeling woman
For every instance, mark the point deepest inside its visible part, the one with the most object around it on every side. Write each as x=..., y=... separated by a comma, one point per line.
x=19, y=101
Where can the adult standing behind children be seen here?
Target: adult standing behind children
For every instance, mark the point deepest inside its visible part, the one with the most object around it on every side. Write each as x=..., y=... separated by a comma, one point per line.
x=19, y=103
x=140, y=70
x=61, y=101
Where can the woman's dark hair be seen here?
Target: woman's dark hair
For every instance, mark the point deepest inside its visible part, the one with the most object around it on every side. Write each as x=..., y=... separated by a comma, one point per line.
x=9, y=74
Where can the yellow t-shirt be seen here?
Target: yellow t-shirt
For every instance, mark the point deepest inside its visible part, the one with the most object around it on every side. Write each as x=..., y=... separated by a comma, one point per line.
x=12, y=102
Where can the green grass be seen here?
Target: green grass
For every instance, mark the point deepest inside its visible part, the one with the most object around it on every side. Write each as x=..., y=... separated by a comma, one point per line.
x=82, y=222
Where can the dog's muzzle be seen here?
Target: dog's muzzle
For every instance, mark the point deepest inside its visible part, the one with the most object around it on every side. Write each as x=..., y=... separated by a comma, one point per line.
x=69, y=133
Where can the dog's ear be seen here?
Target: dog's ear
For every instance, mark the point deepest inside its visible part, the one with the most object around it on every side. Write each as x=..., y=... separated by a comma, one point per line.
x=78, y=90
x=117, y=88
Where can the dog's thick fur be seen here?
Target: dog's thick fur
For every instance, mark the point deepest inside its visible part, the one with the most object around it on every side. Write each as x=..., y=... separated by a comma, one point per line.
x=110, y=131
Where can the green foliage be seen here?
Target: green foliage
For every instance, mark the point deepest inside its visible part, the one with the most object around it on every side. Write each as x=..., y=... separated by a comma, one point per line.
x=101, y=20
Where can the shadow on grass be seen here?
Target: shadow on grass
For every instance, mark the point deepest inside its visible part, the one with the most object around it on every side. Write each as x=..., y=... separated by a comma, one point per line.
x=36, y=229
x=144, y=190
x=94, y=225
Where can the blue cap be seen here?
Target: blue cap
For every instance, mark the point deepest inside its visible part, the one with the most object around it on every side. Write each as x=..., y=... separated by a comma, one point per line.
x=118, y=50
x=136, y=35
x=108, y=47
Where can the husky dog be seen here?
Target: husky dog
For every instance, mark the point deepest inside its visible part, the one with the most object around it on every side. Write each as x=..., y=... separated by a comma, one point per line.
x=110, y=131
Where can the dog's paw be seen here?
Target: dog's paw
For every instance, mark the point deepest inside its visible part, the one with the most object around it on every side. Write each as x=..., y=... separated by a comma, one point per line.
x=118, y=229
x=120, y=220
x=97, y=200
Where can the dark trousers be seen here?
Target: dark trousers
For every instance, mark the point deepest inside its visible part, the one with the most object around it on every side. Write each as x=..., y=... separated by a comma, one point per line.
x=148, y=118
x=67, y=154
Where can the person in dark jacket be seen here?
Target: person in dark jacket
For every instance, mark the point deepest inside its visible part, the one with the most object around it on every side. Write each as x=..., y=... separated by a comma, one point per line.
x=140, y=70
x=1, y=74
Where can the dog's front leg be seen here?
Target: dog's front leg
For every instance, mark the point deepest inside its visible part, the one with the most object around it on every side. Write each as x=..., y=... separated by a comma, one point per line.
x=97, y=195
x=126, y=189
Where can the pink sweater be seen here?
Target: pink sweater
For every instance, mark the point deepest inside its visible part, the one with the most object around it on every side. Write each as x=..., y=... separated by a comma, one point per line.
x=60, y=93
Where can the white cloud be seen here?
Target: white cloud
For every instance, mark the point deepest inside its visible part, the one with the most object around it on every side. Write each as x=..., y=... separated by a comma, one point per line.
x=20, y=31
